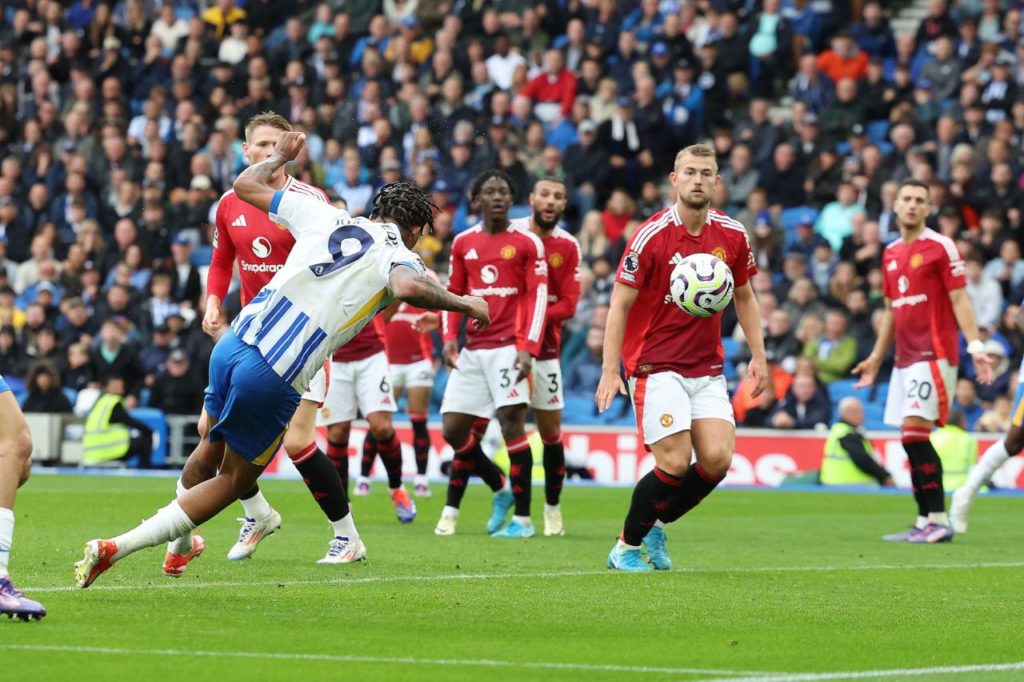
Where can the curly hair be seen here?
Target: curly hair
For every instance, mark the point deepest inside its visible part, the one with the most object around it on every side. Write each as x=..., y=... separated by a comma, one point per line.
x=404, y=203
x=478, y=181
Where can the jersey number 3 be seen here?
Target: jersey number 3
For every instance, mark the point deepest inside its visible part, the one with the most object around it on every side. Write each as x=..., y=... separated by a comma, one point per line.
x=347, y=244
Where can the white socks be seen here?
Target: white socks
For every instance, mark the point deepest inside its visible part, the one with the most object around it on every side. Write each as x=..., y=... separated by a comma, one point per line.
x=522, y=520
x=256, y=507
x=940, y=518
x=986, y=466
x=168, y=523
x=345, y=527
x=6, y=538
x=548, y=508
x=921, y=522
x=450, y=511
x=182, y=545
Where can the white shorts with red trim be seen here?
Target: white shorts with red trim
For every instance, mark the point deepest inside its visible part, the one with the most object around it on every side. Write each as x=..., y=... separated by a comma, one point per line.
x=419, y=374
x=923, y=389
x=547, y=385
x=484, y=381
x=318, y=385
x=363, y=385
x=667, y=403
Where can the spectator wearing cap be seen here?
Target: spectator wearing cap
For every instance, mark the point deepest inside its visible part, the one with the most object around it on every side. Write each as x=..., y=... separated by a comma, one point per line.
x=873, y=34
x=178, y=389
x=553, y=90
x=1000, y=92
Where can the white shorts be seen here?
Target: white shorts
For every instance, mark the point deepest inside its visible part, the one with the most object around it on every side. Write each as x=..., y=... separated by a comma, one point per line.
x=923, y=389
x=364, y=385
x=667, y=403
x=547, y=385
x=318, y=385
x=484, y=382
x=419, y=374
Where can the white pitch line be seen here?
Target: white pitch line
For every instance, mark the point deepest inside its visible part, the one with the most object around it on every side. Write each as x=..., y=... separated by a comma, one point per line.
x=176, y=585
x=877, y=674
x=401, y=660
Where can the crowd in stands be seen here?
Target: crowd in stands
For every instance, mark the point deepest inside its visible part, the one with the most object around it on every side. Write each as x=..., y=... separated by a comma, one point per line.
x=120, y=125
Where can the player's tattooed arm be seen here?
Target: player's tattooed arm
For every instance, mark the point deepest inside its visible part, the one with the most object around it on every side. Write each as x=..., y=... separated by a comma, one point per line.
x=415, y=289
x=253, y=184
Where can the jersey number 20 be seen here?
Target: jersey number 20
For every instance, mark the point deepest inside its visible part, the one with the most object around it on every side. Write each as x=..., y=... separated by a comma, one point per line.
x=336, y=245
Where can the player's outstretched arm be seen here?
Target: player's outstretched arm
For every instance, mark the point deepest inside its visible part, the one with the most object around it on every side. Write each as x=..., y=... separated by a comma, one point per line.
x=623, y=298
x=408, y=285
x=749, y=314
x=253, y=185
x=868, y=368
x=964, y=313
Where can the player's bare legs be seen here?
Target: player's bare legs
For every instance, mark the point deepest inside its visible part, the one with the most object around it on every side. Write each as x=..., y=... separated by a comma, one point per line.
x=512, y=420
x=195, y=506
x=15, y=466
x=986, y=466
x=468, y=459
x=549, y=424
x=417, y=407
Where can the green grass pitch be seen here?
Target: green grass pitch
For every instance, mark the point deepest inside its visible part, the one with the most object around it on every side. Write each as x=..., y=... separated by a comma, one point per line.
x=767, y=585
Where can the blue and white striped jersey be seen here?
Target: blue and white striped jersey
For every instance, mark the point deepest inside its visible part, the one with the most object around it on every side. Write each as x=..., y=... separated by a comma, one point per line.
x=332, y=284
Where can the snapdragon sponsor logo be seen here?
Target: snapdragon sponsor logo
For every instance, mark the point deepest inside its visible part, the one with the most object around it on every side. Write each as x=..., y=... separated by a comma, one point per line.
x=495, y=291
x=909, y=300
x=261, y=267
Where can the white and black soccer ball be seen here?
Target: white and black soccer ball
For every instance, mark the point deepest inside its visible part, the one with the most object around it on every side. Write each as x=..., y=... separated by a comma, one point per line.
x=701, y=284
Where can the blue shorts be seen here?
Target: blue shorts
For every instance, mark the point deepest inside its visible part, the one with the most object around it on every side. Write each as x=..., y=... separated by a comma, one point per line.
x=251, y=404
x=3, y=384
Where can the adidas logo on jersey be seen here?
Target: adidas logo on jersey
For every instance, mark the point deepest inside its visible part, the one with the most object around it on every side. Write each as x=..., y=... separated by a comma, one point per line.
x=513, y=393
x=471, y=255
x=554, y=400
x=386, y=400
x=239, y=221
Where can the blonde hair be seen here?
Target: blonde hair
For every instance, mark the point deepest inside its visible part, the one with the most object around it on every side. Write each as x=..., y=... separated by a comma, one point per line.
x=270, y=119
x=698, y=150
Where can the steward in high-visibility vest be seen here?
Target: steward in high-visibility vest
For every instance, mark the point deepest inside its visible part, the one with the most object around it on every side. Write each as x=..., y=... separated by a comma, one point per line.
x=957, y=449
x=848, y=457
x=111, y=433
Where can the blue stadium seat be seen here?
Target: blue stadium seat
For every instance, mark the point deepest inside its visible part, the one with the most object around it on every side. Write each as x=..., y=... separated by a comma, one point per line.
x=201, y=255
x=518, y=211
x=844, y=388
x=791, y=217
x=878, y=131
x=731, y=347
x=71, y=394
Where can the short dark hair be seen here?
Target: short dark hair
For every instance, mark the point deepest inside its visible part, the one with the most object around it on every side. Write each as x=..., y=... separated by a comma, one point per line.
x=478, y=181
x=547, y=178
x=404, y=203
x=912, y=182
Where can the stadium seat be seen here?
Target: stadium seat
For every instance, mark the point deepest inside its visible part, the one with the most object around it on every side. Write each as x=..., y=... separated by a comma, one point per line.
x=844, y=388
x=791, y=217
x=71, y=394
x=201, y=255
x=878, y=131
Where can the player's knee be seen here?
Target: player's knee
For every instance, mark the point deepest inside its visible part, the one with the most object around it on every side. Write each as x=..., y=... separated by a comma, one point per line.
x=675, y=463
x=717, y=462
x=512, y=428
x=339, y=433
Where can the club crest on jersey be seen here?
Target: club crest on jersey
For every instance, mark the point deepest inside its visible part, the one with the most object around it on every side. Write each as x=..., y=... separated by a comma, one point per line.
x=261, y=247
x=508, y=252
x=325, y=413
x=719, y=253
x=556, y=260
x=666, y=420
x=489, y=274
x=631, y=263
x=916, y=260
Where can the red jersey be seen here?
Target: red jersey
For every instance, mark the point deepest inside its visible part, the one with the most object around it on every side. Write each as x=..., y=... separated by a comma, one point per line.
x=369, y=341
x=659, y=335
x=917, y=279
x=509, y=271
x=563, y=255
x=261, y=246
x=404, y=344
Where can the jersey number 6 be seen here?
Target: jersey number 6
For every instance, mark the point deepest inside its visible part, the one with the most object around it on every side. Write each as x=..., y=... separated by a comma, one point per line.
x=341, y=246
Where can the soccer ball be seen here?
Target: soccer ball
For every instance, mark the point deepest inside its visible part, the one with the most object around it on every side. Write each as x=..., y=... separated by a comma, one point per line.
x=701, y=285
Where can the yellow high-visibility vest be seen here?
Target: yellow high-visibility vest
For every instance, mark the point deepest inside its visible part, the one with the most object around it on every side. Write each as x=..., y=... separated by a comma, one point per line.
x=837, y=467
x=103, y=441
